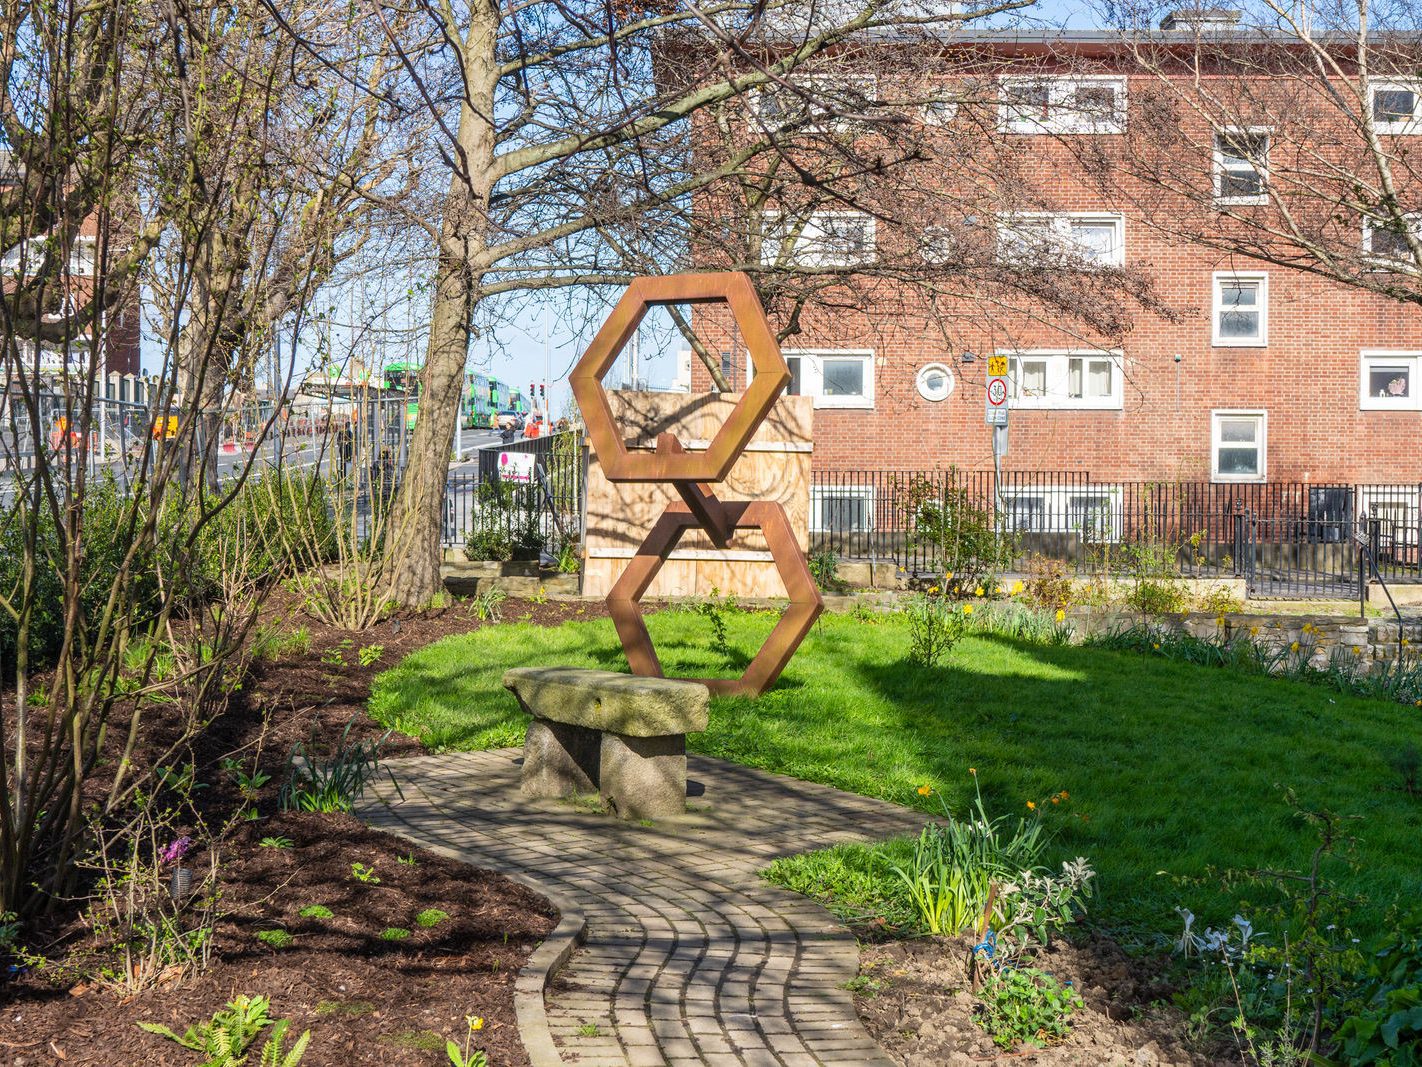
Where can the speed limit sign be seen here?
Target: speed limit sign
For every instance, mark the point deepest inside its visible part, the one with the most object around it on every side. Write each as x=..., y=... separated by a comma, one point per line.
x=996, y=407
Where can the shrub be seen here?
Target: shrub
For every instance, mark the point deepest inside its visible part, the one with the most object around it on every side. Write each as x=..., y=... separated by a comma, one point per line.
x=1387, y=1029
x=1048, y=585
x=505, y=523
x=962, y=533
x=226, y=1039
x=824, y=567
x=935, y=626
x=1026, y=1005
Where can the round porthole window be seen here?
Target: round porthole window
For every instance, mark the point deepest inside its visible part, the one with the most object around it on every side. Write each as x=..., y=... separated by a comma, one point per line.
x=935, y=382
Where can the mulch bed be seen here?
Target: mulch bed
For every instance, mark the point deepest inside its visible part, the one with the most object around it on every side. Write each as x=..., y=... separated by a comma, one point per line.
x=915, y=999
x=365, y=999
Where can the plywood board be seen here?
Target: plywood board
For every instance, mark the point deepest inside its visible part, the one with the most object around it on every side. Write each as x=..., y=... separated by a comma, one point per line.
x=775, y=466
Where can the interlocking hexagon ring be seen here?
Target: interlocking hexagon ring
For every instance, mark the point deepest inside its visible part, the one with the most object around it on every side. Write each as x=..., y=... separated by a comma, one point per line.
x=771, y=376
x=691, y=472
x=805, y=602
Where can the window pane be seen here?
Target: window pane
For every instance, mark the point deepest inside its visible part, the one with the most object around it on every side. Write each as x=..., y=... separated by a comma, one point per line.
x=1390, y=382
x=1098, y=378
x=1094, y=240
x=844, y=513
x=1074, y=378
x=793, y=362
x=1029, y=100
x=1244, y=294
x=1239, y=461
x=1233, y=431
x=1239, y=325
x=1241, y=183
x=1394, y=105
x=1033, y=378
x=1028, y=513
x=1097, y=102
x=843, y=377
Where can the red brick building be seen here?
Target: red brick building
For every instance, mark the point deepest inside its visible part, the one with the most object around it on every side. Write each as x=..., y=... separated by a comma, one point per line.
x=1246, y=372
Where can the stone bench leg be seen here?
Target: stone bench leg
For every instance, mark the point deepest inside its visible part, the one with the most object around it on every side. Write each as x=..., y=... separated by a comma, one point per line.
x=643, y=777
x=559, y=760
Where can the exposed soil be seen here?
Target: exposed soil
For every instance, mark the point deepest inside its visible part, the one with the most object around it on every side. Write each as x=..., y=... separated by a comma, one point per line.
x=365, y=999
x=915, y=999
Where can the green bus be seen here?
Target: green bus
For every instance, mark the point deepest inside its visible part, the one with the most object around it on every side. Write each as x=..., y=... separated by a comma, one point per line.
x=483, y=396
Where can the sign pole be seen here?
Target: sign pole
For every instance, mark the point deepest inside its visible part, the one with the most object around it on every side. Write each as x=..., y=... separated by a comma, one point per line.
x=995, y=415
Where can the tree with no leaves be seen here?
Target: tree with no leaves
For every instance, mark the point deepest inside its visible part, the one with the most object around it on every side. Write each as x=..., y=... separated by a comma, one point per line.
x=566, y=140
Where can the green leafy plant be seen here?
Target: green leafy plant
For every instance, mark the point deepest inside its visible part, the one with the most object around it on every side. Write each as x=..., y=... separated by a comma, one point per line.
x=361, y=873
x=824, y=568
x=1025, y=1005
x=336, y=654
x=958, y=530
x=486, y=604
x=935, y=626
x=588, y=1030
x=227, y=1038
x=714, y=609
x=1407, y=763
x=275, y=842
x=1386, y=1028
x=277, y=939
x=394, y=933
x=568, y=559
x=956, y=863
x=9, y=931
x=407, y=860
x=431, y=917
x=463, y=1057
x=335, y=783
x=316, y=911
x=369, y=655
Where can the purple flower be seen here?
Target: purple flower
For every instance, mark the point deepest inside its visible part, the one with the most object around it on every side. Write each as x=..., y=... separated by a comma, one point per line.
x=176, y=851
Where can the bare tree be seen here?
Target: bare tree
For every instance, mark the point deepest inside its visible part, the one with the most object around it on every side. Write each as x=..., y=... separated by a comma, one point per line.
x=1286, y=137
x=565, y=129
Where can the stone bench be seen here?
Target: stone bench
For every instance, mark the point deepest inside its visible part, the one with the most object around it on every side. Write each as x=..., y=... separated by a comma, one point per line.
x=619, y=735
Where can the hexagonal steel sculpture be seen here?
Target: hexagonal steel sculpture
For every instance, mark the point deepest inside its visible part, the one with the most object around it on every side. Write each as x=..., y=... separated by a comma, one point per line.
x=771, y=376
x=805, y=601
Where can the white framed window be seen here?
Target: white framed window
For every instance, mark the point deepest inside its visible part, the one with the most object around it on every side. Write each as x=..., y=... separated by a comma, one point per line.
x=1078, y=103
x=1242, y=166
x=1239, y=446
x=821, y=239
x=1053, y=379
x=1390, y=381
x=940, y=108
x=1092, y=513
x=1396, y=106
x=841, y=508
x=814, y=102
x=1088, y=238
x=836, y=378
x=935, y=382
x=83, y=257
x=1385, y=242
x=1241, y=310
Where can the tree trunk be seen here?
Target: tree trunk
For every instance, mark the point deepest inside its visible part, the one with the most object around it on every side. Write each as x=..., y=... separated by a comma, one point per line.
x=413, y=536
x=412, y=544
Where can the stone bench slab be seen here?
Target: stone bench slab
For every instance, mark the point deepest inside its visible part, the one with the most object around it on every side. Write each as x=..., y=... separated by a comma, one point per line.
x=617, y=703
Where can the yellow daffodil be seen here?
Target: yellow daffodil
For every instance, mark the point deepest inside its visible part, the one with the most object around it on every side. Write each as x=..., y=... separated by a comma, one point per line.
x=1017, y=586
x=932, y=589
x=1294, y=647
x=1254, y=631
x=1061, y=614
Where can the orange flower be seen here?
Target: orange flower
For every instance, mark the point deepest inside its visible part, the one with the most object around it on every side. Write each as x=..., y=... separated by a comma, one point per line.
x=925, y=790
x=1056, y=800
x=1031, y=806
x=1066, y=795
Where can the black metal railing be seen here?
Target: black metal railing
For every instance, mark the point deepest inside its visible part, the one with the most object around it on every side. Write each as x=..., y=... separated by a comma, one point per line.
x=1287, y=538
x=550, y=501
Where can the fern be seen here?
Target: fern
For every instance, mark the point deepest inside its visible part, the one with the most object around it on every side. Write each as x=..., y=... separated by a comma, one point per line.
x=225, y=1039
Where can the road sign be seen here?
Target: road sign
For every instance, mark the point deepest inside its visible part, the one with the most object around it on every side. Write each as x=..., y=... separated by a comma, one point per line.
x=995, y=413
x=516, y=466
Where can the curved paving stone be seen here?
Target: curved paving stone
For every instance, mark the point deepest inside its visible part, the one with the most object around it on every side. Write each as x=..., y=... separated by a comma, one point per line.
x=689, y=957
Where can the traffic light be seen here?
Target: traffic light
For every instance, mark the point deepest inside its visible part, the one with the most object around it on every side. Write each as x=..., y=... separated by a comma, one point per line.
x=543, y=392
x=532, y=392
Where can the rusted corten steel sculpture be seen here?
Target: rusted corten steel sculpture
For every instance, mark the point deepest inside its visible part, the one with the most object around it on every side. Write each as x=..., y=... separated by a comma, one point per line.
x=694, y=473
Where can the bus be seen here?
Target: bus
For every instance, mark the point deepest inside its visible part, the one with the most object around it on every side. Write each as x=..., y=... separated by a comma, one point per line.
x=484, y=397
x=405, y=378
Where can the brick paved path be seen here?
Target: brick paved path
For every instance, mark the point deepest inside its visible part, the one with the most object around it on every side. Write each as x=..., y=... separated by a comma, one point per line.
x=689, y=956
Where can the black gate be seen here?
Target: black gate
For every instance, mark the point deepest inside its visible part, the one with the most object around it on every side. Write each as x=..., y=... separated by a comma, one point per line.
x=1306, y=554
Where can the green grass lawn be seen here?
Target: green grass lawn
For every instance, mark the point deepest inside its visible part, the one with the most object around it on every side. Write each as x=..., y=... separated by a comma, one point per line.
x=1171, y=769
